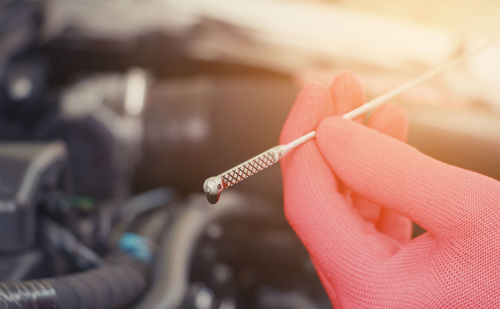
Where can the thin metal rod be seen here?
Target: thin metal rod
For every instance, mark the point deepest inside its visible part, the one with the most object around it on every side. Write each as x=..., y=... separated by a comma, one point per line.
x=213, y=186
x=408, y=85
x=295, y=143
x=370, y=105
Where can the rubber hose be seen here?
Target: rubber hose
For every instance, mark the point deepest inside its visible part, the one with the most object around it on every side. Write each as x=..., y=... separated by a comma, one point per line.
x=110, y=286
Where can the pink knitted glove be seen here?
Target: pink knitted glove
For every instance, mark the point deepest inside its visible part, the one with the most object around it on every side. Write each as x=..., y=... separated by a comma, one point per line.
x=348, y=195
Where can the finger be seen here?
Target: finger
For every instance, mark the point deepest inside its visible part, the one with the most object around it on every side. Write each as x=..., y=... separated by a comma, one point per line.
x=393, y=121
x=311, y=106
x=347, y=94
x=390, y=120
x=394, y=225
x=315, y=209
x=388, y=172
x=368, y=210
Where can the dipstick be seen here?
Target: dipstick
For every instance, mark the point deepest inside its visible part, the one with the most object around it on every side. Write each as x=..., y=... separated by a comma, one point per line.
x=214, y=186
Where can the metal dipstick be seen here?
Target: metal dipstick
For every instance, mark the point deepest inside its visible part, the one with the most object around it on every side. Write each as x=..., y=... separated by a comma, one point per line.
x=214, y=186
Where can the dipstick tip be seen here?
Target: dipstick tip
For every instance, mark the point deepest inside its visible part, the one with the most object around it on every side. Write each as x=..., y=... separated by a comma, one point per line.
x=213, y=188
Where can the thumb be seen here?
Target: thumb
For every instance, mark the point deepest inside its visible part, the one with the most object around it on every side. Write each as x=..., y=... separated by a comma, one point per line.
x=386, y=171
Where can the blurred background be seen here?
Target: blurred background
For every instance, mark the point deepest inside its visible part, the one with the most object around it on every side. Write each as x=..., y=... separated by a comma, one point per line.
x=112, y=114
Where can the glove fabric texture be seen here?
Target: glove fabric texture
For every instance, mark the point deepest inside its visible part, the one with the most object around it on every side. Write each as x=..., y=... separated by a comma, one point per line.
x=351, y=195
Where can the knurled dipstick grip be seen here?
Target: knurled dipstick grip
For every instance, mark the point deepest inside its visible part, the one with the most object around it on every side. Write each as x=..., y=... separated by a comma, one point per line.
x=214, y=186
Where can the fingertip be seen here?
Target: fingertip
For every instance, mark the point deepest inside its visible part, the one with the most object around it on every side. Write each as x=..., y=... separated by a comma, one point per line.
x=312, y=87
x=368, y=210
x=347, y=93
x=345, y=79
x=313, y=103
x=334, y=131
x=395, y=225
x=391, y=120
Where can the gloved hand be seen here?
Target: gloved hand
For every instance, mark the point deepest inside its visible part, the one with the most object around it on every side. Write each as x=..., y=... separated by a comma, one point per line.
x=349, y=193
